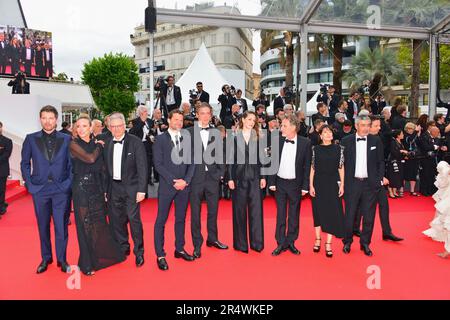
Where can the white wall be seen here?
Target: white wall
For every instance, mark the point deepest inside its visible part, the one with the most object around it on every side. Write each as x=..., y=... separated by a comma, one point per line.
x=10, y=13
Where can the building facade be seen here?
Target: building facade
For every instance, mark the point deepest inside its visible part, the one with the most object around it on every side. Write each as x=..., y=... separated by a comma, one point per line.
x=176, y=46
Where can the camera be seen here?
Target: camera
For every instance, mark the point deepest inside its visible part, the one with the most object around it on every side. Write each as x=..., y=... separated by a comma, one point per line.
x=324, y=88
x=232, y=91
x=161, y=80
x=289, y=95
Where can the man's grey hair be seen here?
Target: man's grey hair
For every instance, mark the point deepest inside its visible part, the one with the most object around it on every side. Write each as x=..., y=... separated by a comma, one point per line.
x=117, y=116
x=292, y=120
x=96, y=121
x=364, y=113
x=141, y=110
x=339, y=115
x=362, y=118
x=288, y=107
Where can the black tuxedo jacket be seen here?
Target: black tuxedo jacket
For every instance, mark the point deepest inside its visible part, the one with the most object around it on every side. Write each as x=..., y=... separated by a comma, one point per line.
x=24, y=55
x=6, y=147
x=278, y=103
x=215, y=171
x=375, y=161
x=204, y=97
x=164, y=165
x=302, y=162
x=134, y=165
x=138, y=127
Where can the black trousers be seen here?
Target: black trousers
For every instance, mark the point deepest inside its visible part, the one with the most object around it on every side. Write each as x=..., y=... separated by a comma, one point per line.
x=149, y=151
x=168, y=109
x=364, y=199
x=383, y=208
x=288, y=197
x=2, y=191
x=181, y=199
x=209, y=189
x=28, y=68
x=123, y=210
x=248, y=210
x=427, y=176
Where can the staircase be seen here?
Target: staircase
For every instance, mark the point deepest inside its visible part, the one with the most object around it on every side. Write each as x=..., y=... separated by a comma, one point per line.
x=14, y=191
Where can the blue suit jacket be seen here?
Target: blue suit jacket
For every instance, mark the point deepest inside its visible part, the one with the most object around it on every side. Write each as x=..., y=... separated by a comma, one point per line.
x=37, y=167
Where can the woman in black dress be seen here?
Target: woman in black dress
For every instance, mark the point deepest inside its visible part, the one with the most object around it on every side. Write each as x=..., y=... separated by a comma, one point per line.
x=327, y=189
x=396, y=164
x=412, y=162
x=246, y=183
x=98, y=249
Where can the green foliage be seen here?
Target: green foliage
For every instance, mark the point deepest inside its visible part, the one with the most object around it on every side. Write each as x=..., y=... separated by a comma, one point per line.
x=113, y=80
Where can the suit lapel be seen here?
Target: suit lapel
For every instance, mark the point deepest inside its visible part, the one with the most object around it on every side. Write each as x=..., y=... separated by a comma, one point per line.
x=59, y=144
x=110, y=157
x=353, y=154
x=41, y=146
x=126, y=144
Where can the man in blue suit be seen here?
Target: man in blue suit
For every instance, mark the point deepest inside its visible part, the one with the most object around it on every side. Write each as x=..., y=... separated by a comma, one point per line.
x=171, y=152
x=49, y=180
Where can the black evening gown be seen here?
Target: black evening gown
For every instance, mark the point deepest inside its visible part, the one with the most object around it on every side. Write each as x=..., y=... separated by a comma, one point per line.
x=395, y=172
x=98, y=249
x=328, y=212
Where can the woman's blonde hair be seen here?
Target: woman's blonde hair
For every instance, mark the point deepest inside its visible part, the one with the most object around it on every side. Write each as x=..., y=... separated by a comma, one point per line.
x=410, y=125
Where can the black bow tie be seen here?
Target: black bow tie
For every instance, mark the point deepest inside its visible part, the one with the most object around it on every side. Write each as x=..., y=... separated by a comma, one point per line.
x=290, y=141
x=119, y=142
x=361, y=139
x=205, y=129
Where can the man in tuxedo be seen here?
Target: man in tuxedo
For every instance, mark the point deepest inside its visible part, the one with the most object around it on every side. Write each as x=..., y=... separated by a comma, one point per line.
x=231, y=122
x=429, y=146
x=169, y=155
x=126, y=179
x=241, y=102
x=262, y=100
x=65, y=128
x=203, y=96
x=207, y=147
x=290, y=184
x=142, y=128
x=6, y=147
x=280, y=101
x=47, y=171
x=3, y=53
x=330, y=99
x=48, y=60
x=364, y=173
x=170, y=95
x=28, y=57
x=226, y=100
x=39, y=60
x=378, y=104
x=353, y=107
x=382, y=198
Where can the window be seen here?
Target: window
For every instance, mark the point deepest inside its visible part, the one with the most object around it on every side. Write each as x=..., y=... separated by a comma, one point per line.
x=163, y=62
x=182, y=62
x=155, y=50
x=425, y=99
x=148, y=52
x=172, y=63
x=226, y=38
x=148, y=83
x=163, y=48
x=213, y=57
x=182, y=44
x=213, y=39
x=192, y=43
x=172, y=47
x=227, y=56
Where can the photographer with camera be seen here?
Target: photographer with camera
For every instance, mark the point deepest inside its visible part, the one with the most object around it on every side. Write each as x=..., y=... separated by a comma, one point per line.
x=280, y=101
x=378, y=104
x=227, y=99
x=262, y=100
x=203, y=96
x=19, y=84
x=329, y=97
x=241, y=101
x=232, y=122
x=189, y=113
x=169, y=95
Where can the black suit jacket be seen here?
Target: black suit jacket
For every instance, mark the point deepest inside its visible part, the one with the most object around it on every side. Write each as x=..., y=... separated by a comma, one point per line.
x=204, y=97
x=24, y=55
x=244, y=105
x=138, y=127
x=375, y=162
x=6, y=147
x=177, y=95
x=215, y=143
x=134, y=165
x=278, y=103
x=164, y=165
x=302, y=162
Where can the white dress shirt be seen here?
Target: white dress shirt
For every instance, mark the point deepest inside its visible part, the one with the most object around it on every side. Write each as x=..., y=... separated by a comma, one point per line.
x=361, y=158
x=204, y=134
x=117, y=159
x=146, y=131
x=170, y=99
x=47, y=54
x=176, y=138
x=28, y=54
x=287, y=162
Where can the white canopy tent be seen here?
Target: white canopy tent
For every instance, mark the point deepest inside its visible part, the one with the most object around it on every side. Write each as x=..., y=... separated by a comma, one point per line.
x=203, y=69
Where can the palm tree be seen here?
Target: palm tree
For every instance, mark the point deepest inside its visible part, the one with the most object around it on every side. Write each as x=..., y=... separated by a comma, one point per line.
x=378, y=66
x=418, y=13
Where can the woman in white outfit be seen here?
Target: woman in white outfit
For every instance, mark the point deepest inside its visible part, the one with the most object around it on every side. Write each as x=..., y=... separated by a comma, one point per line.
x=440, y=226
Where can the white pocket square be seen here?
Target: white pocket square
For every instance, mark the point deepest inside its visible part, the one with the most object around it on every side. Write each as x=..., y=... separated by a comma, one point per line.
x=373, y=148
x=130, y=154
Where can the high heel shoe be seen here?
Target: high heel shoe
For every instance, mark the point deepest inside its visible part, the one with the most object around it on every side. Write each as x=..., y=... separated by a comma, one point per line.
x=329, y=253
x=316, y=249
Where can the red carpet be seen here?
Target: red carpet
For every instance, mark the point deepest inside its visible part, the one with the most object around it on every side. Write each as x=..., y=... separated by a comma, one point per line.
x=409, y=270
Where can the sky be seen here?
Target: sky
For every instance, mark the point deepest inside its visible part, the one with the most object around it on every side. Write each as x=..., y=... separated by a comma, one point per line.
x=84, y=29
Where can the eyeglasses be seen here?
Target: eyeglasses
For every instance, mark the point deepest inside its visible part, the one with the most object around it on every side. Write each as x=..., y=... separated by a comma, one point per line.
x=118, y=126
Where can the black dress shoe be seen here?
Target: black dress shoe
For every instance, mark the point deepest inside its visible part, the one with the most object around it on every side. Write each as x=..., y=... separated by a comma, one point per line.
x=366, y=250
x=139, y=261
x=217, y=245
x=257, y=250
x=392, y=237
x=43, y=266
x=197, y=254
x=294, y=250
x=357, y=233
x=162, y=264
x=243, y=251
x=65, y=267
x=347, y=248
x=279, y=250
x=183, y=255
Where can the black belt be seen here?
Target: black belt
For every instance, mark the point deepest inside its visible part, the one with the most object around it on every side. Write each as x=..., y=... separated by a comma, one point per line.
x=361, y=179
